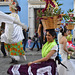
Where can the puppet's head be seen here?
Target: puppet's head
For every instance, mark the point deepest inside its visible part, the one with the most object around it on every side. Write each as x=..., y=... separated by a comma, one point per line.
x=14, y=5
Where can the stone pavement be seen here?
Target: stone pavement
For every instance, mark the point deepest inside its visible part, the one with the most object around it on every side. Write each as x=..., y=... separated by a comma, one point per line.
x=31, y=56
x=34, y=52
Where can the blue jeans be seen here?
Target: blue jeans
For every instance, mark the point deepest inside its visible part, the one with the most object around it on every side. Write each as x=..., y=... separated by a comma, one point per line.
x=24, y=44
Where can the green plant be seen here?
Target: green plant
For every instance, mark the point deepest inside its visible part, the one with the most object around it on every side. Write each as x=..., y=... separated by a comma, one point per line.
x=51, y=9
x=69, y=17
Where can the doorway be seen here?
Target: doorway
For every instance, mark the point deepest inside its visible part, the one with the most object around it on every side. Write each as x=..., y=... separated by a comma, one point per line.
x=36, y=17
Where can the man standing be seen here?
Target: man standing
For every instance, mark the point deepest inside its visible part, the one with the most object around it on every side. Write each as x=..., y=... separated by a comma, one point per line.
x=25, y=33
x=40, y=33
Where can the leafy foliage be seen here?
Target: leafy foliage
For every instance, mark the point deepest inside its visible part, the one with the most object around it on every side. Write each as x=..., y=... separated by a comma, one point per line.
x=50, y=11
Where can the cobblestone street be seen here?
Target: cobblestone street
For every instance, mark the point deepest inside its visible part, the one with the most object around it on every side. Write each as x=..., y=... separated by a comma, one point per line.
x=5, y=62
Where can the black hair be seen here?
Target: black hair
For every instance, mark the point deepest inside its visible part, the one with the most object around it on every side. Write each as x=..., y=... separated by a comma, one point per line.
x=69, y=30
x=18, y=8
x=63, y=30
x=52, y=32
x=17, y=5
x=29, y=37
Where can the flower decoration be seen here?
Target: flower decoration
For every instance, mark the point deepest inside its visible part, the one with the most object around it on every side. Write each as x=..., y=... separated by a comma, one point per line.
x=51, y=9
x=13, y=5
x=52, y=2
x=69, y=17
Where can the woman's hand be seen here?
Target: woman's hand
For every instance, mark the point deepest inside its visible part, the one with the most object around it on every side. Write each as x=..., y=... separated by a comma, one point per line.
x=70, y=53
x=29, y=63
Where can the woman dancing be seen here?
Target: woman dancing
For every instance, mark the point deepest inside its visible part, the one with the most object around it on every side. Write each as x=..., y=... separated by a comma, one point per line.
x=13, y=35
x=44, y=66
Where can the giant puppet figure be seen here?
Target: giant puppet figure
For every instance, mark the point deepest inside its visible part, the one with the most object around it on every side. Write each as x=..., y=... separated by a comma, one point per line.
x=13, y=35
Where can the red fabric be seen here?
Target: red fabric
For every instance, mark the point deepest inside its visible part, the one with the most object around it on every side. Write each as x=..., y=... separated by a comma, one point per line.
x=71, y=44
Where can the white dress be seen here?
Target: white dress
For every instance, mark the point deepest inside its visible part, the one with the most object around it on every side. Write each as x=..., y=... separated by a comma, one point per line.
x=13, y=28
x=59, y=36
x=70, y=64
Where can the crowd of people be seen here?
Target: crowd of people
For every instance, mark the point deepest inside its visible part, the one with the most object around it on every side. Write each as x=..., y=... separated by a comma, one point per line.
x=14, y=37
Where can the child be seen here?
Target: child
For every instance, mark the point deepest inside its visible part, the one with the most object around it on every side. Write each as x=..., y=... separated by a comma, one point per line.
x=29, y=42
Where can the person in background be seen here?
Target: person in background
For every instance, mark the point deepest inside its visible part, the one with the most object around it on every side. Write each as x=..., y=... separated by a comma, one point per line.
x=69, y=37
x=58, y=29
x=25, y=33
x=59, y=35
x=63, y=50
x=40, y=33
x=44, y=37
x=2, y=42
x=29, y=42
x=35, y=40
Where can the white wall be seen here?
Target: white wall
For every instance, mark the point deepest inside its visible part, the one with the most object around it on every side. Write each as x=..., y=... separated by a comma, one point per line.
x=31, y=19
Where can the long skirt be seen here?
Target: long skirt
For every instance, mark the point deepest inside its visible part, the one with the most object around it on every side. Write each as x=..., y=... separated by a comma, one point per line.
x=15, y=49
x=43, y=68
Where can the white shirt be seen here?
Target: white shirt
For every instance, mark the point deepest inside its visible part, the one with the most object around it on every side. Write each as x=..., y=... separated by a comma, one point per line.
x=55, y=54
x=13, y=32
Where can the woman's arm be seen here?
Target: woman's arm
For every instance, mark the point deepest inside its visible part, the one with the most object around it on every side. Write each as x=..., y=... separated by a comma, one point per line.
x=64, y=47
x=43, y=59
x=20, y=24
x=39, y=30
x=6, y=18
x=9, y=19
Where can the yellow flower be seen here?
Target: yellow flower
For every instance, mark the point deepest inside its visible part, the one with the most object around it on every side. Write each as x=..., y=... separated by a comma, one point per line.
x=56, y=6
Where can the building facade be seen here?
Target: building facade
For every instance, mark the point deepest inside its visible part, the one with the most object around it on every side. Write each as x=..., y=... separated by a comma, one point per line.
x=34, y=5
x=4, y=6
x=29, y=8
